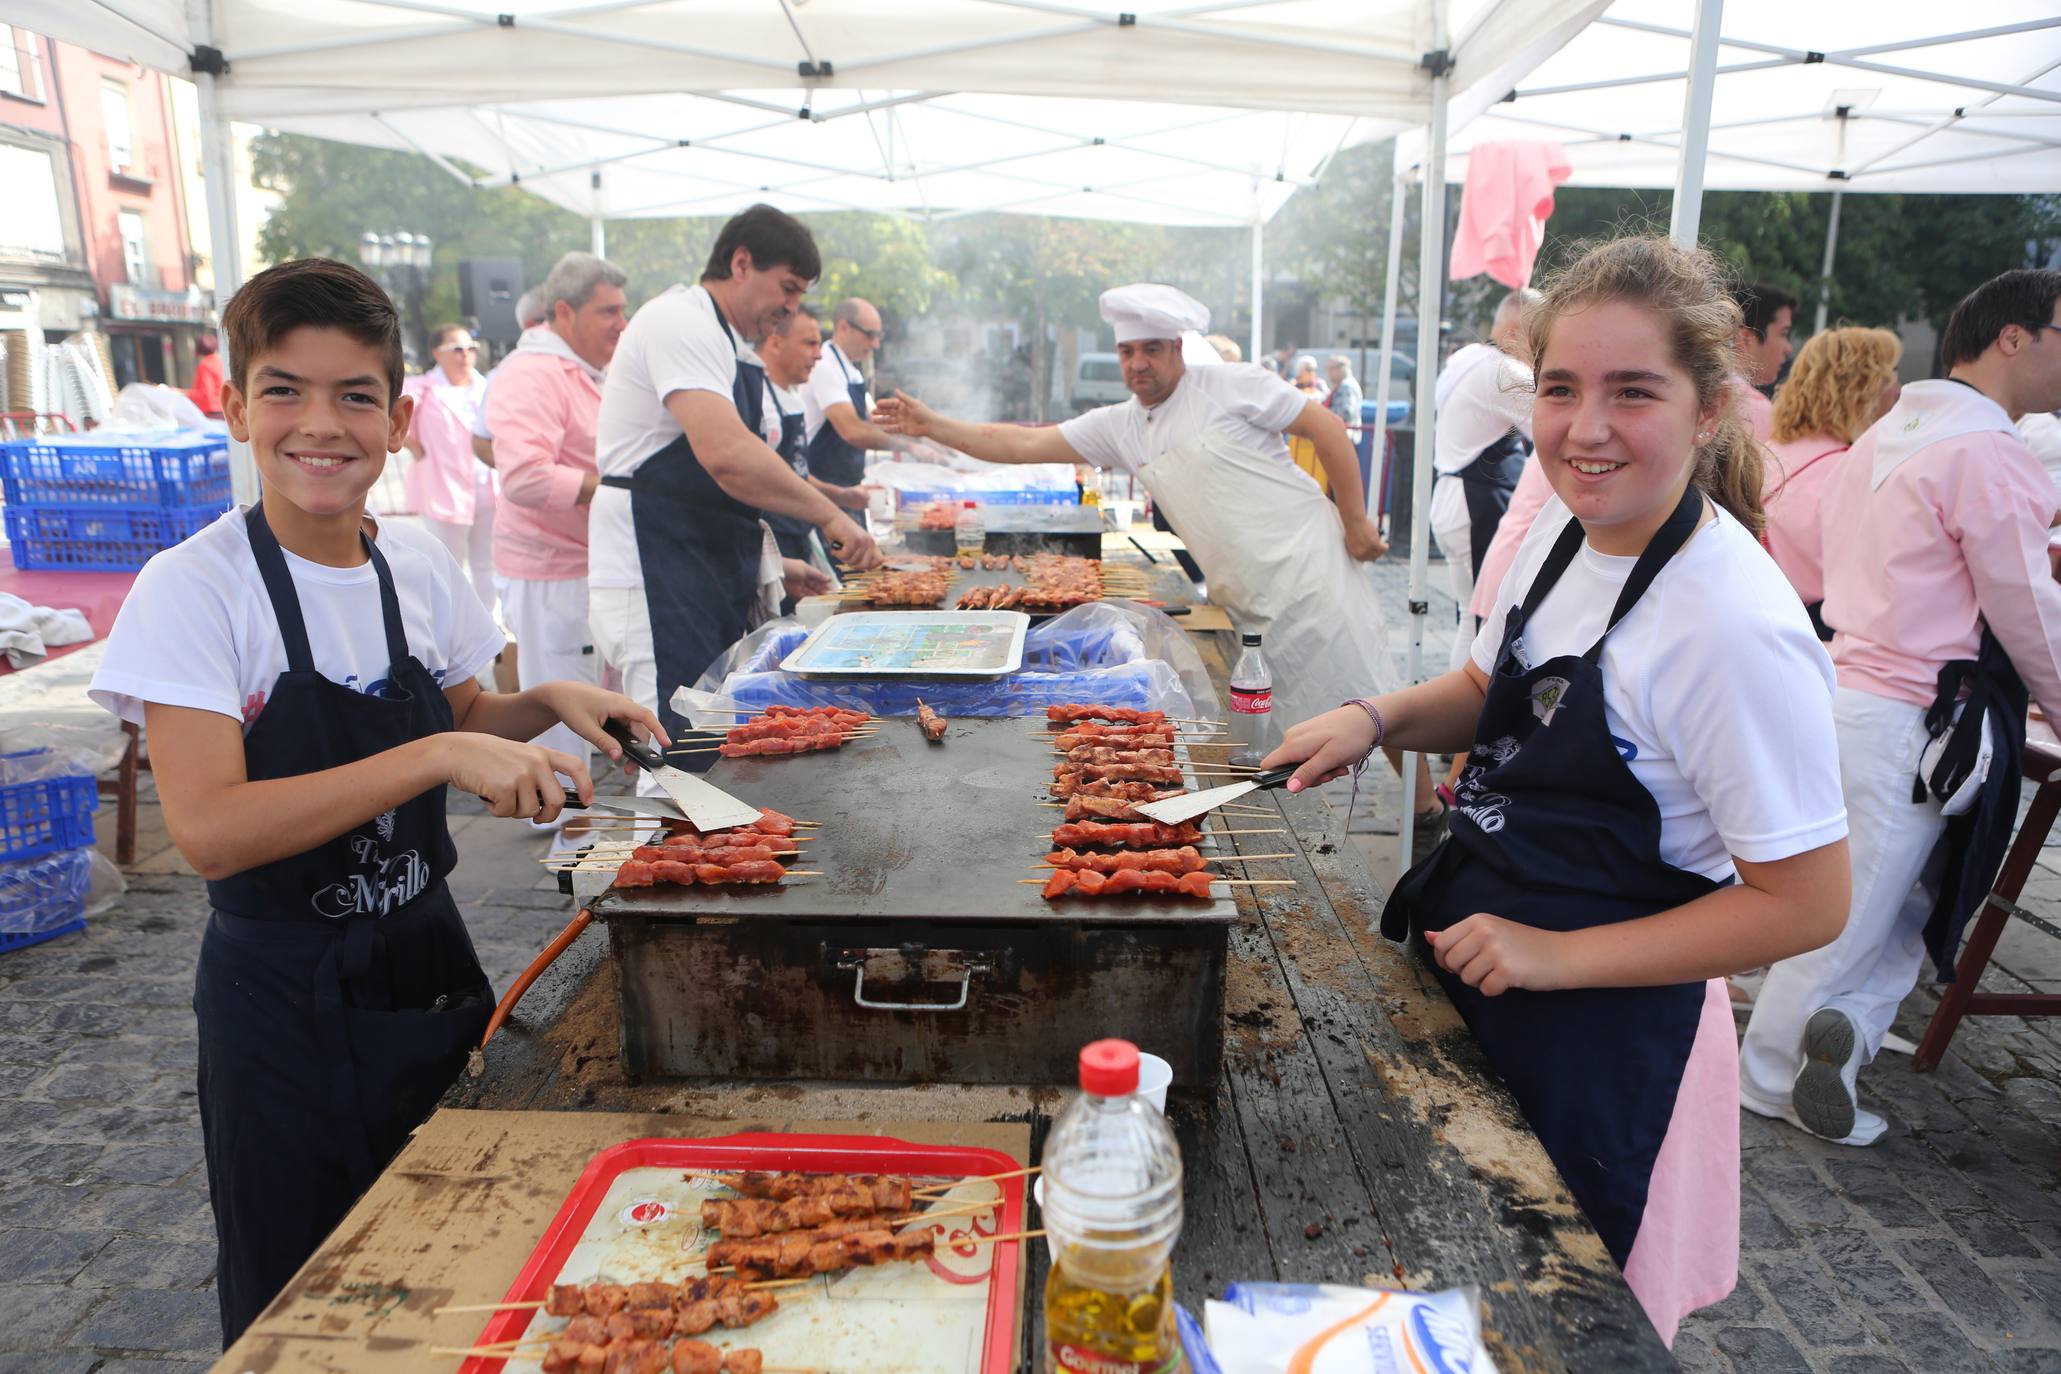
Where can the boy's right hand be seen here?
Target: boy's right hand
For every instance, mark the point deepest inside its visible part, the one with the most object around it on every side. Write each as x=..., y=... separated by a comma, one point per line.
x=513, y=778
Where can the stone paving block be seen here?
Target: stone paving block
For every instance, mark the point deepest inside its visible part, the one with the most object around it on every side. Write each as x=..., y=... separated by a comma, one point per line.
x=1865, y=1364
x=1759, y=1227
x=1795, y=1190
x=120, y=1052
x=184, y=1322
x=165, y=1164
x=47, y=1256
x=50, y=1362
x=40, y=1316
x=1992, y=1236
x=2025, y=1361
x=1998, y=1174
x=1810, y=1299
x=92, y=1018
x=48, y=1163
x=172, y=1366
x=1929, y=1342
x=2035, y=1097
x=20, y=1016
x=16, y=1078
x=1695, y=1354
x=173, y=1213
x=1914, y=1097
x=1743, y=1305
x=1875, y=1190
x=148, y=1262
x=1863, y=1267
x=1761, y=1350
x=2028, y=1144
x=2038, y=1289
x=46, y=1209
x=19, y=1048
x=94, y=1083
x=1965, y=1288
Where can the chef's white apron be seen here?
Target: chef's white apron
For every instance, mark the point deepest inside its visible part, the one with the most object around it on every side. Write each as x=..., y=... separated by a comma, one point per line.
x=1272, y=547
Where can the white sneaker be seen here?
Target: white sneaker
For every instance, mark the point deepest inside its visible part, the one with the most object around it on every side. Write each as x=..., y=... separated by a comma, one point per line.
x=1824, y=1100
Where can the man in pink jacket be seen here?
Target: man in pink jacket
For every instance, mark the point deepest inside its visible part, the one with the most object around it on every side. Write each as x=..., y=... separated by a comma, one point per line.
x=1942, y=516
x=542, y=411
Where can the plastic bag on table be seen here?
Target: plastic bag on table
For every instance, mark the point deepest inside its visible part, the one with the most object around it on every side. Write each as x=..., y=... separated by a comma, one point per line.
x=1108, y=653
x=1268, y=1328
x=64, y=751
x=105, y=885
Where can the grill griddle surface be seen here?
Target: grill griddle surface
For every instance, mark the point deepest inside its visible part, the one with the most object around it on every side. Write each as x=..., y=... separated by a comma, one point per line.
x=920, y=831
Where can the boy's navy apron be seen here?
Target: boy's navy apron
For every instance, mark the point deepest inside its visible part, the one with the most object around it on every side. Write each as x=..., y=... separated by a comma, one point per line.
x=1552, y=830
x=1487, y=483
x=699, y=548
x=830, y=457
x=337, y=993
x=791, y=532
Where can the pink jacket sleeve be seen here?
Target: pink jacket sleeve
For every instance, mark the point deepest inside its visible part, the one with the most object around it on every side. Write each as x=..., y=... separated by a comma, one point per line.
x=1533, y=491
x=2002, y=504
x=528, y=420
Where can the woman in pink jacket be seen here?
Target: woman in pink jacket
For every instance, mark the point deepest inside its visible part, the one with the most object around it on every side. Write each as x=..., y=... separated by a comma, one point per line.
x=447, y=486
x=1843, y=381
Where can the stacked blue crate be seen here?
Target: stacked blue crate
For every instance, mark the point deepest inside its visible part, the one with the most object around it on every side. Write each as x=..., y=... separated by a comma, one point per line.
x=106, y=502
x=46, y=850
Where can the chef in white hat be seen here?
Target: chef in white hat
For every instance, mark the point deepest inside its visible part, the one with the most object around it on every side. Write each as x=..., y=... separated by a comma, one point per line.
x=1211, y=445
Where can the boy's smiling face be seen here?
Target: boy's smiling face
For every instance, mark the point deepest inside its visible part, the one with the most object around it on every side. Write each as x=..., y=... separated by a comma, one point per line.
x=316, y=413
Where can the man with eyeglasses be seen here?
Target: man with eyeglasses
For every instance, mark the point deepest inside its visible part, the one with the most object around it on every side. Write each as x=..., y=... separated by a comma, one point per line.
x=1947, y=617
x=836, y=409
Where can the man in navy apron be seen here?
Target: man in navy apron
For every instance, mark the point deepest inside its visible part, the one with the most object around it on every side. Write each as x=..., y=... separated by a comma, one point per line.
x=788, y=354
x=840, y=425
x=675, y=539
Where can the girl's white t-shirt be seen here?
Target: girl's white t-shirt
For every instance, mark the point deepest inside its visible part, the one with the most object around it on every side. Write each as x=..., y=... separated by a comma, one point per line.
x=198, y=629
x=1716, y=690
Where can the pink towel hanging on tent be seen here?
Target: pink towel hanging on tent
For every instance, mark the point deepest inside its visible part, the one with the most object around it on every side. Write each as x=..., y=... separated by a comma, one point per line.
x=1504, y=208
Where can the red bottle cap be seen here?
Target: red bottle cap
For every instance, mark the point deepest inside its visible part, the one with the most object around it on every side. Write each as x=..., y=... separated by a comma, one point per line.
x=1109, y=1068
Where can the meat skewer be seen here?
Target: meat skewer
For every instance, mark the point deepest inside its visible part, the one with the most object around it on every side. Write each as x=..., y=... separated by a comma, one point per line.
x=1075, y=834
x=929, y=722
x=1069, y=712
x=1066, y=882
x=742, y=1218
x=645, y=873
x=779, y=1187
x=1120, y=772
x=1186, y=859
x=1098, y=753
x=787, y=744
x=1073, y=786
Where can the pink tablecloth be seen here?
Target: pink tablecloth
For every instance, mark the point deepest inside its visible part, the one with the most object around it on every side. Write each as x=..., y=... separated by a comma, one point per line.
x=98, y=594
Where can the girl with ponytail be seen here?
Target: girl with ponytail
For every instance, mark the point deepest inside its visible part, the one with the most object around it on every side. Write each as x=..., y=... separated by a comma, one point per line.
x=1651, y=796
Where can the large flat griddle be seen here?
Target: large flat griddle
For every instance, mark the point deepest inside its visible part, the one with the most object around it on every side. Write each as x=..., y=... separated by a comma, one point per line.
x=963, y=579
x=917, y=831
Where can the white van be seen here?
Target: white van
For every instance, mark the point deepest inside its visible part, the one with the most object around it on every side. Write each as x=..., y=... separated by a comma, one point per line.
x=1098, y=380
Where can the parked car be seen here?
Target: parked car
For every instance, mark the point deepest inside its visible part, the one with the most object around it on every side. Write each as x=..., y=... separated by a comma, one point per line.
x=1098, y=380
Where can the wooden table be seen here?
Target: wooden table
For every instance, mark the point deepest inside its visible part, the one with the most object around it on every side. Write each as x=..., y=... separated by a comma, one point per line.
x=1356, y=1133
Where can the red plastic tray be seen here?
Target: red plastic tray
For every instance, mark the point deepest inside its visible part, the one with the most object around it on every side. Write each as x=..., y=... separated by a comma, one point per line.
x=823, y=1154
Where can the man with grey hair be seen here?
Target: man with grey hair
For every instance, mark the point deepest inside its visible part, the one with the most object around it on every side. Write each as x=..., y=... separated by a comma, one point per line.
x=1344, y=400
x=836, y=408
x=544, y=420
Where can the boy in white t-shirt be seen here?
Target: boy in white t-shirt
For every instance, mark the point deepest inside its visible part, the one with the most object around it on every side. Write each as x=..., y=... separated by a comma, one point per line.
x=307, y=678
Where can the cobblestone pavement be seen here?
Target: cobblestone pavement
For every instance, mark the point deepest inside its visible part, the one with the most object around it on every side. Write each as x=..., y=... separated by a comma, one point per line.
x=1935, y=1252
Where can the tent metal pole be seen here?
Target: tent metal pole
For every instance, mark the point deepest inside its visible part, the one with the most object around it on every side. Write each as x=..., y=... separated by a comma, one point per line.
x=1431, y=275
x=1398, y=197
x=225, y=250
x=1703, y=52
x=1825, y=269
x=597, y=237
x=1259, y=263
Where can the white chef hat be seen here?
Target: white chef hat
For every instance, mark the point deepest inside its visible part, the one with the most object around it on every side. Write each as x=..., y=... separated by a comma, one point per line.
x=1197, y=351
x=1148, y=310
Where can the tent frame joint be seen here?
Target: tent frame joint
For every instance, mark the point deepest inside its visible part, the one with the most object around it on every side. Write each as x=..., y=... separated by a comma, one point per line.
x=1127, y=20
x=1438, y=62
x=1813, y=58
x=1420, y=608
x=816, y=71
x=504, y=21
x=207, y=60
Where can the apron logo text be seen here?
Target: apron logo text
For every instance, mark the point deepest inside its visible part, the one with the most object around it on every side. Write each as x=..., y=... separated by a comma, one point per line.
x=387, y=886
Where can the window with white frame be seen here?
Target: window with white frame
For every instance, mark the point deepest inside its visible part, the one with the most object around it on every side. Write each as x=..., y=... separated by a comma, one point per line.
x=18, y=73
x=114, y=113
x=135, y=247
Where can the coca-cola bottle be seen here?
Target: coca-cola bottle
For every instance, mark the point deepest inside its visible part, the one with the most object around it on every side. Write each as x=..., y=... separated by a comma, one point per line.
x=1252, y=704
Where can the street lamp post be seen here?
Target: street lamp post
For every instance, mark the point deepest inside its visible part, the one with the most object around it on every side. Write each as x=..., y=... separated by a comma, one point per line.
x=400, y=262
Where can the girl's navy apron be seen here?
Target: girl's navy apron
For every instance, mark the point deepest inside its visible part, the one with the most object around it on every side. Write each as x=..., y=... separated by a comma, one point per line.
x=830, y=457
x=1553, y=830
x=791, y=532
x=338, y=992
x=699, y=547
x=1487, y=483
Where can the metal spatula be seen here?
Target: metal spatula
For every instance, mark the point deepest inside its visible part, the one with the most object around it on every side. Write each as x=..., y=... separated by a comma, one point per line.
x=1189, y=805
x=708, y=807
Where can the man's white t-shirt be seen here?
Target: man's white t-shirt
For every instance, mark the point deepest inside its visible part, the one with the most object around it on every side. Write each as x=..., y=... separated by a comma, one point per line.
x=1241, y=400
x=829, y=384
x=198, y=629
x=779, y=398
x=1715, y=689
x=1482, y=394
x=674, y=343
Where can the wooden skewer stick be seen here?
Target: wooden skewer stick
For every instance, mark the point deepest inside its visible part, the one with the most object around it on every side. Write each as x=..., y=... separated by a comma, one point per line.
x=1207, y=858
x=488, y=1307
x=977, y=1178
x=1227, y=882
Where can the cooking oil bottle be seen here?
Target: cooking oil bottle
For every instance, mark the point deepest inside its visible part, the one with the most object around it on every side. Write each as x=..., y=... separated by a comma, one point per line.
x=1112, y=1202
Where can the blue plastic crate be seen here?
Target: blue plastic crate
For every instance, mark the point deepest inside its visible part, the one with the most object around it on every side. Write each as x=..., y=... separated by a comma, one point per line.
x=44, y=897
x=96, y=538
x=1020, y=496
x=171, y=468
x=37, y=937
x=46, y=815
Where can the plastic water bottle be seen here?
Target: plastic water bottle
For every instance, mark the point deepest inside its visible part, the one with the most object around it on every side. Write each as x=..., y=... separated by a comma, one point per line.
x=1252, y=704
x=971, y=539
x=1112, y=1175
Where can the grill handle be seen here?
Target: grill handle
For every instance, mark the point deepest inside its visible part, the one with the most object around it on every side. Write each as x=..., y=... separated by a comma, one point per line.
x=857, y=960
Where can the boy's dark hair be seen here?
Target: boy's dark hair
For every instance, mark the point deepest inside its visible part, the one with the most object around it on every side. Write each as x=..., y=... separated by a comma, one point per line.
x=774, y=238
x=2024, y=297
x=1759, y=302
x=321, y=292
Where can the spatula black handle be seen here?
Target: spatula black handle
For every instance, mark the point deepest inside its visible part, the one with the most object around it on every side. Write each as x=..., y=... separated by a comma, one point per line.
x=1274, y=777
x=634, y=749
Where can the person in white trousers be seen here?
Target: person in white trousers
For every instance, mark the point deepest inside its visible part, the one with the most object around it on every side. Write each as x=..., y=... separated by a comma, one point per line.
x=1936, y=529
x=1484, y=397
x=543, y=413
